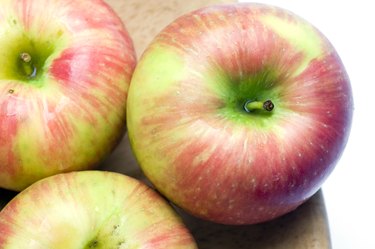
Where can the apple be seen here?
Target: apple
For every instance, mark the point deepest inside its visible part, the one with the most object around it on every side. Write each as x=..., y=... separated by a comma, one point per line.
x=65, y=69
x=238, y=113
x=91, y=209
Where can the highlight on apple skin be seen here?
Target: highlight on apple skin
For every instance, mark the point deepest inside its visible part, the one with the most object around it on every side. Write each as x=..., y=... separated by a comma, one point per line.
x=91, y=209
x=64, y=77
x=238, y=113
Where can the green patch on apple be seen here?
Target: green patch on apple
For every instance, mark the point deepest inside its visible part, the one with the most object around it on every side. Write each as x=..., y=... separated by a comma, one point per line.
x=159, y=78
x=17, y=44
x=238, y=93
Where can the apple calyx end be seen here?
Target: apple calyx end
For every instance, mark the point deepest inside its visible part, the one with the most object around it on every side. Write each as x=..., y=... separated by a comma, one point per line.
x=251, y=105
x=27, y=65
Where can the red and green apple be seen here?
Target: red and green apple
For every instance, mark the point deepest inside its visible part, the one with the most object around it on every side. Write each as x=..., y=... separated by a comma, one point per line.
x=91, y=209
x=65, y=69
x=238, y=113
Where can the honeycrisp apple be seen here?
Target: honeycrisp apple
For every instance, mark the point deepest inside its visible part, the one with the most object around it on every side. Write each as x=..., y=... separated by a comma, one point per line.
x=91, y=209
x=65, y=68
x=238, y=113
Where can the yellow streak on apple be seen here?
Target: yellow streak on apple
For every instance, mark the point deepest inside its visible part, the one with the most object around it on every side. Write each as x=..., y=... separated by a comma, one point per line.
x=160, y=80
x=302, y=36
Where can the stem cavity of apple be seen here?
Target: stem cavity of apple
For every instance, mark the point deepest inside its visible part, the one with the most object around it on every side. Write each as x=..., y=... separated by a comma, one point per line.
x=252, y=105
x=27, y=65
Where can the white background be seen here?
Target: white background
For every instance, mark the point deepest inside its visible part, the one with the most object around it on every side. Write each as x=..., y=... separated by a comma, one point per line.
x=349, y=192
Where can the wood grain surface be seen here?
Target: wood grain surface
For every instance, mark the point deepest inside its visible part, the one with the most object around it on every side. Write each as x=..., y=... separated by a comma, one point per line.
x=304, y=228
x=144, y=19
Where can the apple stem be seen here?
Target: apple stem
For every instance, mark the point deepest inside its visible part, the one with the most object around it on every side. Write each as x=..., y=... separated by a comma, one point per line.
x=27, y=65
x=252, y=105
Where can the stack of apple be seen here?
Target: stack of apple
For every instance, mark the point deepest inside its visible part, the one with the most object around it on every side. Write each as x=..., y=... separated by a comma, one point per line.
x=235, y=113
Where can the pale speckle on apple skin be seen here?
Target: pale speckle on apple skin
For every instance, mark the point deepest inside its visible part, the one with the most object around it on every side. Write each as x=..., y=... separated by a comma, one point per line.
x=77, y=22
x=254, y=184
x=292, y=185
x=324, y=149
x=305, y=181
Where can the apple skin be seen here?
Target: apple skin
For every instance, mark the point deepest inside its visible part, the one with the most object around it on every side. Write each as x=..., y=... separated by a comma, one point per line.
x=192, y=136
x=91, y=209
x=71, y=114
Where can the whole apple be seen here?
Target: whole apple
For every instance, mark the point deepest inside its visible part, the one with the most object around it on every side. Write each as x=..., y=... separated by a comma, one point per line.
x=65, y=69
x=91, y=209
x=238, y=113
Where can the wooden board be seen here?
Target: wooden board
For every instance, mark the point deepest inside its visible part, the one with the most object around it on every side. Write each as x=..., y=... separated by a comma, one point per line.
x=144, y=19
x=306, y=227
